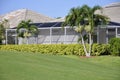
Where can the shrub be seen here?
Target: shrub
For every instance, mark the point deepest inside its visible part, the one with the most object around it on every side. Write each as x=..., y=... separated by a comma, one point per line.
x=57, y=49
x=100, y=49
x=115, y=46
x=78, y=50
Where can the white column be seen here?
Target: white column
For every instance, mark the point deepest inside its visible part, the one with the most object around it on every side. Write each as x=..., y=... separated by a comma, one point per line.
x=65, y=35
x=107, y=35
x=50, y=35
x=116, y=31
x=15, y=37
x=36, y=39
x=98, y=34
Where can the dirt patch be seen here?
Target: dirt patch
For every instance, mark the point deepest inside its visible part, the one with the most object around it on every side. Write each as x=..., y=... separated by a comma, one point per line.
x=87, y=57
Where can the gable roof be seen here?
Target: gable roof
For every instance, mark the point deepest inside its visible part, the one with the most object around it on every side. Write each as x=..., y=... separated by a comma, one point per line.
x=17, y=16
x=112, y=11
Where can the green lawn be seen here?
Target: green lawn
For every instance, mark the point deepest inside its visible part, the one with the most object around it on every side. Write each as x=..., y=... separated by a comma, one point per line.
x=31, y=66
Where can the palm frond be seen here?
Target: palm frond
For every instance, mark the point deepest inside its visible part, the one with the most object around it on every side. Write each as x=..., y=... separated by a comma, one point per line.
x=27, y=28
x=95, y=8
x=101, y=20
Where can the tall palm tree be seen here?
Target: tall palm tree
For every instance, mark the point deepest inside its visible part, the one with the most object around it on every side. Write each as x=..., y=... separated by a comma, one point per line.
x=84, y=19
x=25, y=29
x=93, y=20
x=76, y=19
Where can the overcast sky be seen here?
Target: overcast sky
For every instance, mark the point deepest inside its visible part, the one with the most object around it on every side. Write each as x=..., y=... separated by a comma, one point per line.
x=51, y=8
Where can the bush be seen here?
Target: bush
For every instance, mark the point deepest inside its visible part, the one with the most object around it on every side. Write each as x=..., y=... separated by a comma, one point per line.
x=57, y=49
x=100, y=49
x=115, y=46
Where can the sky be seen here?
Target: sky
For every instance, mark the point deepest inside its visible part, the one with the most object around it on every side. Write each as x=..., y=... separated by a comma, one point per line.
x=51, y=8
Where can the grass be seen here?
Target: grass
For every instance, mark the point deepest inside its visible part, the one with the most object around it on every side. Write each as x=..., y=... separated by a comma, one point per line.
x=31, y=66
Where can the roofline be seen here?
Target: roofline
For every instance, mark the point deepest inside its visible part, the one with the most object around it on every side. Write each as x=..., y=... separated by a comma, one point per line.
x=116, y=4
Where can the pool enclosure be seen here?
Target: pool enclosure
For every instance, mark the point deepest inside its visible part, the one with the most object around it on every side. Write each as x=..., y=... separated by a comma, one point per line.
x=49, y=33
x=53, y=33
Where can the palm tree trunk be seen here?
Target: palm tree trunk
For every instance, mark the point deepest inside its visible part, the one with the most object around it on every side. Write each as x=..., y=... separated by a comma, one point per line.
x=84, y=47
x=26, y=40
x=90, y=44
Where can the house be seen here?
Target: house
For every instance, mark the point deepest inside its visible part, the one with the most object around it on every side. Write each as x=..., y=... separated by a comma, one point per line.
x=51, y=32
x=113, y=28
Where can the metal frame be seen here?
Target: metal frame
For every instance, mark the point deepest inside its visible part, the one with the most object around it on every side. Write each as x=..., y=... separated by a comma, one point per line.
x=50, y=34
x=111, y=27
x=65, y=33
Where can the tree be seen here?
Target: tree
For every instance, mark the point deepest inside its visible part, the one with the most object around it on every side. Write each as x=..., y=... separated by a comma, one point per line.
x=3, y=26
x=2, y=30
x=84, y=19
x=6, y=23
x=93, y=20
x=76, y=19
x=25, y=29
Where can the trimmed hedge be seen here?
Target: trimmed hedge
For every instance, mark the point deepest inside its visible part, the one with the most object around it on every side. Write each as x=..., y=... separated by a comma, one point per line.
x=115, y=46
x=57, y=49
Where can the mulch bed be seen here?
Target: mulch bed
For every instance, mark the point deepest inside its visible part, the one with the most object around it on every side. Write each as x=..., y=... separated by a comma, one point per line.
x=87, y=57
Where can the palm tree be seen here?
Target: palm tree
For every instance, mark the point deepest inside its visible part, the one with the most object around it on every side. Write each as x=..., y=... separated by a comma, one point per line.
x=84, y=19
x=6, y=23
x=25, y=29
x=3, y=26
x=2, y=30
x=80, y=30
x=93, y=20
x=76, y=19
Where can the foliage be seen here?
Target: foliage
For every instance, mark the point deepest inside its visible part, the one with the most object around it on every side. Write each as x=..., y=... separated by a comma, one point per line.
x=4, y=24
x=100, y=49
x=57, y=49
x=115, y=46
x=25, y=29
x=2, y=31
x=84, y=19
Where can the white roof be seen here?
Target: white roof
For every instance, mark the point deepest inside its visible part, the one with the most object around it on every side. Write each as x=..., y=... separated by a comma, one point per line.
x=112, y=11
x=17, y=16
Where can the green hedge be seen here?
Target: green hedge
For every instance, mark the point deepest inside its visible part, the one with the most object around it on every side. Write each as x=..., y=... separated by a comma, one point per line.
x=115, y=46
x=59, y=49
